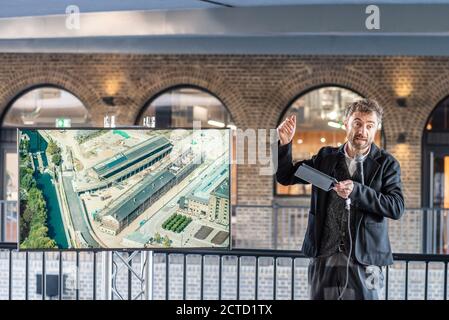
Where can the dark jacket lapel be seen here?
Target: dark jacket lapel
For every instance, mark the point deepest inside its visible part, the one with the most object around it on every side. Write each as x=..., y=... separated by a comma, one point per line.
x=370, y=165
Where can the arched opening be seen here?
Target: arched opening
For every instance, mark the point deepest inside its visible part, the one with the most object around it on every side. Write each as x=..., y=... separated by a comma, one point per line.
x=319, y=113
x=39, y=106
x=435, y=179
x=181, y=105
x=43, y=106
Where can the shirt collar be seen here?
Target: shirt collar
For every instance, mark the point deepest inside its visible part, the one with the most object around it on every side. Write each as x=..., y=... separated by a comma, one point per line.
x=347, y=155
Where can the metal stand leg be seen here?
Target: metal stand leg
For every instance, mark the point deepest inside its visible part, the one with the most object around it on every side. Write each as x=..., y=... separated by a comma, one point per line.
x=144, y=274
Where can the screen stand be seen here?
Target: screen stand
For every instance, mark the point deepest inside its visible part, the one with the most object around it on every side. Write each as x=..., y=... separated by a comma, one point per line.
x=114, y=262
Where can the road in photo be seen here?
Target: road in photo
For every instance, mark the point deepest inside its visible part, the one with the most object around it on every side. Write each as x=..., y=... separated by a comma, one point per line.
x=124, y=188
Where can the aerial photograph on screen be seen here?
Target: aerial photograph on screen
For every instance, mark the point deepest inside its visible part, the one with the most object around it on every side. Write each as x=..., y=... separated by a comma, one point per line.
x=124, y=188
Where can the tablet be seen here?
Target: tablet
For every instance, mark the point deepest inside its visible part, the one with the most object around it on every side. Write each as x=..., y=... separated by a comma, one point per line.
x=316, y=177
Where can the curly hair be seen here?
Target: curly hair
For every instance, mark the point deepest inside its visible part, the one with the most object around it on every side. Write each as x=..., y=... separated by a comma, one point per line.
x=365, y=106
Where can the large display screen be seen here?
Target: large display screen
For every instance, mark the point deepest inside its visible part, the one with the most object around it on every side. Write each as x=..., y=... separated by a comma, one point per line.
x=124, y=188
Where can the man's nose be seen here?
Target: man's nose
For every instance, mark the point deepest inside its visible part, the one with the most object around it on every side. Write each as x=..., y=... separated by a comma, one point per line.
x=363, y=131
x=360, y=131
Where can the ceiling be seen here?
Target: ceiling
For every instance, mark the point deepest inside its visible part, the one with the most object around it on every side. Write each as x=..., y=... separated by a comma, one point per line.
x=329, y=27
x=29, y=8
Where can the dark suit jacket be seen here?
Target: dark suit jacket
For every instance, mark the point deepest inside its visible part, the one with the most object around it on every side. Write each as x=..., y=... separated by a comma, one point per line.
x=380, y=198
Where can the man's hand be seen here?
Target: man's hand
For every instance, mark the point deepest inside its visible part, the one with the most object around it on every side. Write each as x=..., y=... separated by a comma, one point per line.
x=286, y=130
x=344, y=188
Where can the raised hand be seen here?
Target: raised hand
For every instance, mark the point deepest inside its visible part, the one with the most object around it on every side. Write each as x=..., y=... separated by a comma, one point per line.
x=286, y=130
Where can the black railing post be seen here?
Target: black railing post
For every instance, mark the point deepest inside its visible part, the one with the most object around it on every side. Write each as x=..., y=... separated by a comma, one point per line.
x=184, y=276
x=202, y=278
x=43, y=280
x=257, y=278
x=275, y=260
x=10, y=275
x=293, y=279
x=220, y=260
x=238, y=278
x=94, y=277
x=60, y=278
x=406, y=280
x=167, y=276
x=77, y=283
x=426, y=281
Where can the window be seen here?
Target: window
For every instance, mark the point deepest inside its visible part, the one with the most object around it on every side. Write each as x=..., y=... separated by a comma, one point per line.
x=439, y=119
x=435, y=179
x=179, y=107
x=319, y=115
x=40, y=107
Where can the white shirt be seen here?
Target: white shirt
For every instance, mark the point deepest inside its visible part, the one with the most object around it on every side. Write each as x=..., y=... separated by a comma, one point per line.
x=350, y=162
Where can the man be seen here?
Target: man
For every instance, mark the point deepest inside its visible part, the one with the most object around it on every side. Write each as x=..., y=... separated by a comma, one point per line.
x=347, y=265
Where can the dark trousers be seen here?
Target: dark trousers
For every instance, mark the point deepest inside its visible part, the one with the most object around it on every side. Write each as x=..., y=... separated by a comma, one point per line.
x=327, y=277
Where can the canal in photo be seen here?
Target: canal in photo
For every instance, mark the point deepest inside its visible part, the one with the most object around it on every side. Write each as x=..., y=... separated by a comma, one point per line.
x=44, y=183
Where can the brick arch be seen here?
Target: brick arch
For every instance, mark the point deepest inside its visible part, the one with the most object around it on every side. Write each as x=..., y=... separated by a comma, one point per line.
x=307, y=80
x=209, y=81
x=437, y=91
x=36, y=78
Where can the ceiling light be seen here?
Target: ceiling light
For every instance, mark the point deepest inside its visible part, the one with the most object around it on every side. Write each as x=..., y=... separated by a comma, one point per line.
x=216, y=123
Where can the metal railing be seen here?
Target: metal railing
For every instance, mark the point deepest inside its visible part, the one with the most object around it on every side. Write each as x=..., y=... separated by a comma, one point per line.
x=81, y=275
x=427, y=260
x=249, y=274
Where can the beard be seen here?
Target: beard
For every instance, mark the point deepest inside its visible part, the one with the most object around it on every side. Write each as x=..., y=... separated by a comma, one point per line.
x=360, y=142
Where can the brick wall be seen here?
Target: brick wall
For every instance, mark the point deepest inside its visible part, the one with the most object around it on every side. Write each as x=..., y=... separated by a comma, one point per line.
x=255, y=89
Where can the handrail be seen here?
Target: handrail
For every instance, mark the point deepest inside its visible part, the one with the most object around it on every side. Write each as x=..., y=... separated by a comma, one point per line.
x=242, y=252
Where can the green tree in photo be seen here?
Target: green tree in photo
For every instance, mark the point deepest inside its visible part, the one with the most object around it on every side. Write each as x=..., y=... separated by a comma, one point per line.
x=33, y=213
x=52, y=148
x=34, y=228
x=25, y=222
x=23, y=148
x=27, y=181
x=38, y=239
x=56, y=159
